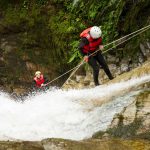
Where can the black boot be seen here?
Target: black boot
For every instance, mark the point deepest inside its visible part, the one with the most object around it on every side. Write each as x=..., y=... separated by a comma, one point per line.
x=97, y=84
x=111, y=77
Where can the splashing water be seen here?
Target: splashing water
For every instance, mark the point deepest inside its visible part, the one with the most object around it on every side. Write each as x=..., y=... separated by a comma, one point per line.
x=72, y=114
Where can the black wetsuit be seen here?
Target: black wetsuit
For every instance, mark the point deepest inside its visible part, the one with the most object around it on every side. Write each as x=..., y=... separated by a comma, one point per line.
x=95, y=61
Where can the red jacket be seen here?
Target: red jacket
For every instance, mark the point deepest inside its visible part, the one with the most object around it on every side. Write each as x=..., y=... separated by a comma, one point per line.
x=39, y=81
x=93, y=43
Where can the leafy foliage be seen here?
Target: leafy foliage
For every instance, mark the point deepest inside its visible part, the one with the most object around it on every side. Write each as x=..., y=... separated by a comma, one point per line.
x=48, y=31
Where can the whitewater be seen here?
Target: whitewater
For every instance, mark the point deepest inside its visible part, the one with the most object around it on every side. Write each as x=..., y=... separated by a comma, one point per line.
x=68, y=114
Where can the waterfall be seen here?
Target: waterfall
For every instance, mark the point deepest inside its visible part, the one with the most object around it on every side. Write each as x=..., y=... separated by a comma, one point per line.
x=71, y=114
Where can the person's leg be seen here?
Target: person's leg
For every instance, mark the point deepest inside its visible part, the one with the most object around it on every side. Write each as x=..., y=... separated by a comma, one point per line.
x=93, y=63
x=104, y=65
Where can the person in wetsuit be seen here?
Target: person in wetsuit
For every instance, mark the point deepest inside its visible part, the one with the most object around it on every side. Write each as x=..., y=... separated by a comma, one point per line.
x=40, y=82
x=90, y=42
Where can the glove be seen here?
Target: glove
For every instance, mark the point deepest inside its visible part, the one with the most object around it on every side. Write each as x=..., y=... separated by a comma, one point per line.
x=101, y=47
x=86, y=58
x=43, y=85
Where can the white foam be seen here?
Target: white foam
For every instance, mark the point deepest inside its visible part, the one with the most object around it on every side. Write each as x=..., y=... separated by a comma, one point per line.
x=68, y=114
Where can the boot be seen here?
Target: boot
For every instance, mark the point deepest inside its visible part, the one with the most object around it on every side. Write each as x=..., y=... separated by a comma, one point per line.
x=111, y=77
x=97, y=84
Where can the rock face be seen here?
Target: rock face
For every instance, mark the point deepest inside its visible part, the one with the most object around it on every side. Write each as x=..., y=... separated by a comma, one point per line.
x=21, y=146
x=59, y=144
x=134, y=120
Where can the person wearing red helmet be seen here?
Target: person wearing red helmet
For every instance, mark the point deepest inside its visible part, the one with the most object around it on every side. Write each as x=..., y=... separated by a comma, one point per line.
x=91, y=41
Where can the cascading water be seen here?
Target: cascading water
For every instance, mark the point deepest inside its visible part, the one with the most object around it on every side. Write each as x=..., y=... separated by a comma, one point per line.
x=72, y=114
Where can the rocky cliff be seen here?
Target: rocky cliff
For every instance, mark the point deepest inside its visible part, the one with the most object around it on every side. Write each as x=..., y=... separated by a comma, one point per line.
x=60, y=144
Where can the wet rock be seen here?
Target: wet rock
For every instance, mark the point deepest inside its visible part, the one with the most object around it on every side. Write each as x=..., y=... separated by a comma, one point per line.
x=129, y=114
x=134, y=120
x=148, y=44
x=21, y=146
x=115, y=121
x=143, y=110
x=124, y=67
x=79, y=78
x=142, y=47
x=92, y=144
x=134, y=65
x=88, y=77
x=111, y=59
x=81, y=71
x=96, y=144
x=140, y=59
x=113, y=68
x=19, y=91
x=106, y=136
x=118, y=71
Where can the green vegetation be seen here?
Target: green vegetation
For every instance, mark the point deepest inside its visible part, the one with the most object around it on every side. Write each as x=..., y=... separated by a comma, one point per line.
x=47, y=31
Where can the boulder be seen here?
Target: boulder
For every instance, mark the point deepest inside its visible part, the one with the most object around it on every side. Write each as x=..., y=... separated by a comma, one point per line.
x=124, y=67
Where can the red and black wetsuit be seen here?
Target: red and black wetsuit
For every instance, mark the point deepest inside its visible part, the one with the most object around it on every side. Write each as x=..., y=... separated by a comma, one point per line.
x=95, y=60
x=39, y=81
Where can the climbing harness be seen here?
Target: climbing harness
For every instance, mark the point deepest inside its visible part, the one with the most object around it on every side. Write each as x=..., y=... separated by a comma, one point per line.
x=118, y=41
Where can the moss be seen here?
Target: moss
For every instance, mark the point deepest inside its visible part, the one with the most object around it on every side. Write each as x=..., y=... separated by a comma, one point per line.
x=141, y=98
x=122, y=131
x=145, y=136
x=98, y=135
x=125, y=131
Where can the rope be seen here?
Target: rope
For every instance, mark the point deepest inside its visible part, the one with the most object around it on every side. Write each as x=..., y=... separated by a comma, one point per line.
x=127, y=35
x=142, y=30
x=77, y=67
x=61, y=75
x=82, y=62
x=74, y=69
x=126, y=40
